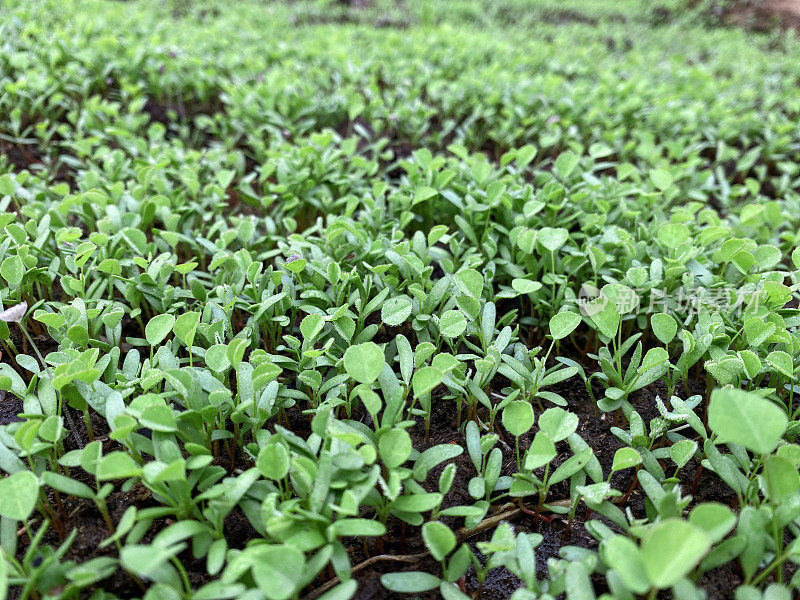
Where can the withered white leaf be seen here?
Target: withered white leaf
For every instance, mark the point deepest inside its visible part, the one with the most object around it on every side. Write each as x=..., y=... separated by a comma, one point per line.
x=14, y=314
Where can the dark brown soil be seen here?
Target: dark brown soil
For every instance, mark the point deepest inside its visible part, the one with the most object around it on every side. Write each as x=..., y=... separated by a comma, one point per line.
x=30, y=157
x=10, y=407
x=760, y=15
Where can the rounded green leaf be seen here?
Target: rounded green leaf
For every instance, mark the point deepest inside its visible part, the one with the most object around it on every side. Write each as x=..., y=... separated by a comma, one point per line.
x=117, y=465
x=746, y=419
x=578, y=584
x=625, y=557
x=343, y=591
x=558, y=423
x=661, y=178
x=552, y=238
x=144, y=559
x=757, y=331
x=518, y=417
x=781, y=478
x=526, y=240
x=158, y=418
x=715, y=519
x=673, y=235
x=395, y=311
x=12, y=270
x=359, y=527
x=410, y=582
x=625, y=298
x=565, y=163
x=625, y=458
x=158, y=328
x=751, y=363
x=450, y=591
x=603, y=313
x=273, y=461
x=664, y=327
x=470, y=282
x=186, y=326
x=216, y=358
x=278, y=570
x=525, y=286
x=452, y=324
x=234, y=352
x=541, y=452
x=425, y=379
x=434, y=456
x=297, y=265
x=54, y=320
x=563, y=323
x=310, y=326
x=7, y=186
x=672, y=549
x=18, y=495
x=767, y=256
x=439, y=539
x=790, y=452
x=395, y=447
x=364, y=362
x=782, y=362
x=525, y=155
x=681, y=452
x=594, y=493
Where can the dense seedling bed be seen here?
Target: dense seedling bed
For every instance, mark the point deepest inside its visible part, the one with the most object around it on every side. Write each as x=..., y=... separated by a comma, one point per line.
x=392, y=299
